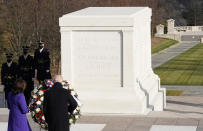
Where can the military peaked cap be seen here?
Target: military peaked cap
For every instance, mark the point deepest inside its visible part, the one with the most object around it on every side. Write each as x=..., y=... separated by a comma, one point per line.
x=26, y=47
x=41, y=42
x=9, y=55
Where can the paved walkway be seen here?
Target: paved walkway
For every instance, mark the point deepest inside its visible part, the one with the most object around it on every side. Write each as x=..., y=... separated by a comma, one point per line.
x=165, y=55
x=188, y=90
x=2, y=101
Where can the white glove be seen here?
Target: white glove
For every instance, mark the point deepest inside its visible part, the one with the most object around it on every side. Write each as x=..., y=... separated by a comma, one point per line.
x=3, y=86
x=33, y=79
x=47, y=71
x=35, y=70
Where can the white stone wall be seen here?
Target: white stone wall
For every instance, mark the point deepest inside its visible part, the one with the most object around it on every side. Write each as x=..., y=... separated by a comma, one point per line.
x=172, y=29
x=106, y=56
x=176, y=32
x=170, y=36
x=188, y=28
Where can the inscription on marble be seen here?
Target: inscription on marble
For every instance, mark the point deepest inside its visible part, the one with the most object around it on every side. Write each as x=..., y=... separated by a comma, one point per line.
x=96, y=58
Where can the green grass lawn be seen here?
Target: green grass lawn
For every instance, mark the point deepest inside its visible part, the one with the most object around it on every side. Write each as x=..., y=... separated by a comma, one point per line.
x=174, y=92
x=185, y=69
x=163, y=45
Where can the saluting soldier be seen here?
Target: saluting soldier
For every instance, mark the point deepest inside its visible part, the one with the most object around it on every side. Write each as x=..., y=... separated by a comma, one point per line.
x=8, y=74
x=42, y=62
x=26, y=72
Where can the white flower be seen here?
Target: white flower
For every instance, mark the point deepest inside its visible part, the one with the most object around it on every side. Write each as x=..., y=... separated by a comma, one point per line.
x=70, y=87
x=71, y=121
x=38, y=102
x=73, y=92
x=35, y=90
x=32, y=113
x=75, y=111
x=42, y=98
x=40, y=93
x=43, y=125
x=65, y=87
x=37, y=110
x=34, y=96
x=76, y=117
x=43, y=118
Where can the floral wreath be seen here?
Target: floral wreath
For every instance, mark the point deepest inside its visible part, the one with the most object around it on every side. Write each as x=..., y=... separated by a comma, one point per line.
x=37, y=98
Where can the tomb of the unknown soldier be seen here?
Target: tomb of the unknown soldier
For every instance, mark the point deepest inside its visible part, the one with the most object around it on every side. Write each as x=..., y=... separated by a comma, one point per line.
x=106, y=57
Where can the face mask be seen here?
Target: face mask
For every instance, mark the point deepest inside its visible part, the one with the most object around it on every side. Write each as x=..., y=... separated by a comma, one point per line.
x=25, y=52
x=41, y=46
x=9, y=60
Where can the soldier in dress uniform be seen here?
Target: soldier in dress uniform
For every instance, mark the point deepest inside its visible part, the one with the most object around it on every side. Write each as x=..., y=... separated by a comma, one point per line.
x=26, y=72
x=9, y=73
x=42, y=62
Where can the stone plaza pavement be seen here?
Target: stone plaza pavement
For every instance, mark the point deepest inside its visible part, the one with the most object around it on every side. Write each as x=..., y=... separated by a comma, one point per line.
x=188, y=90
x=183, y=113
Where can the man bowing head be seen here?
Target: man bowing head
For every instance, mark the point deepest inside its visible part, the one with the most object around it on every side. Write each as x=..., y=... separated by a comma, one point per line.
x=57, y=103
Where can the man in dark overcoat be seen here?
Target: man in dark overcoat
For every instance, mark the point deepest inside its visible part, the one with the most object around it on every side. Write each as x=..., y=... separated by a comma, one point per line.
x=57, y=103
x=9, y=71
x=42, y=62
x=26, y=72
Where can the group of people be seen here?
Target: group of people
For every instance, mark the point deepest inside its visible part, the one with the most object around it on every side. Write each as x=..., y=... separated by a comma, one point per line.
x=57, y=105
x=18, y=81
x=25, y=69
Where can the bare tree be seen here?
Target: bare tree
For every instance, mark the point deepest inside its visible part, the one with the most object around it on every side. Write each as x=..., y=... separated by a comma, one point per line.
x=18, y=30
x=28, y=21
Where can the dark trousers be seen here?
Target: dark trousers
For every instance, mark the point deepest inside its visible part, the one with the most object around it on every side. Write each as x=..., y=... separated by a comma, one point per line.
x=42, y=75
x=7, y=89
x=6, y=95
x=28, y=90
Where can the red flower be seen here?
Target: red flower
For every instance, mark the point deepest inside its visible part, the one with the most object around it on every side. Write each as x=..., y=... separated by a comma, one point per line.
x=44, y=90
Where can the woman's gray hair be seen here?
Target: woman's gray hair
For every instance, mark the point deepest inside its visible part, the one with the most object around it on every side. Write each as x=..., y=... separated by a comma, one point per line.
x=58, y=78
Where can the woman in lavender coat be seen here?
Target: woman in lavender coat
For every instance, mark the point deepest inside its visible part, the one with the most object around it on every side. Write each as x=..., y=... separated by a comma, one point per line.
x=18, y=108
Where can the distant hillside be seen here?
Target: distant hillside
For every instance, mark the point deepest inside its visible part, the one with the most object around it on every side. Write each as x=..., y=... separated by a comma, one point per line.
x=185, y=12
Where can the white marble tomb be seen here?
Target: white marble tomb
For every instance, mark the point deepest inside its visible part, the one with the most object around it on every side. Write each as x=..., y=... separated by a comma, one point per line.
x=106, y=56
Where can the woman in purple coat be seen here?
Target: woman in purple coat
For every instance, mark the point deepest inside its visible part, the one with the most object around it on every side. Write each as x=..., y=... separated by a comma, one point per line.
x=18, y=108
